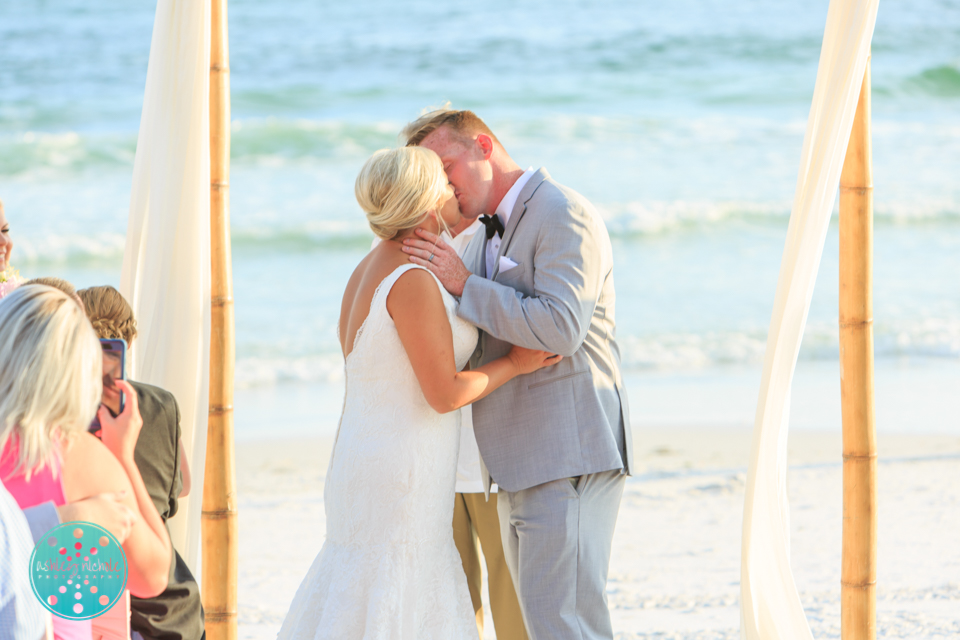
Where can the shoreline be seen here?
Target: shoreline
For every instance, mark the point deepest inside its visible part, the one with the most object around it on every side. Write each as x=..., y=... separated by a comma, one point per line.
x=656, y=449
x=912, y=397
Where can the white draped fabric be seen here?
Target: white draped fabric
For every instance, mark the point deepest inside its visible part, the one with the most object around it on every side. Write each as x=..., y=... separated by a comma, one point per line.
x=166, y=262
x=770, y=607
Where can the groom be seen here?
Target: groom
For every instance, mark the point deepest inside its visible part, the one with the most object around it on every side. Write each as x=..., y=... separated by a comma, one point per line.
x=557, y=441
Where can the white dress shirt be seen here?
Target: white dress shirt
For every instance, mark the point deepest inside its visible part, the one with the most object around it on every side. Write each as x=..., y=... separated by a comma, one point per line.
x=459, y=244
x=504, y=209
x=469, y=479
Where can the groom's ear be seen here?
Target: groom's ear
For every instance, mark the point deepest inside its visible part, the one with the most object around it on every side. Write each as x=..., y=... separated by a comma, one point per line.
x=485, y=143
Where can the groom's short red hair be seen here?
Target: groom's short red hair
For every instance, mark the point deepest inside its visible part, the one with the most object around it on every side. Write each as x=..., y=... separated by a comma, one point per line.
x=464, y=123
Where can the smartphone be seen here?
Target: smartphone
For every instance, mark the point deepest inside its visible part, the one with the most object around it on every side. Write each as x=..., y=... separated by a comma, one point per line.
x=114, y=368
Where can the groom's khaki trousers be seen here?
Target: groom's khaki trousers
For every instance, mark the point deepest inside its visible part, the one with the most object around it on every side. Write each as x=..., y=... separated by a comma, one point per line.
x=475, y=521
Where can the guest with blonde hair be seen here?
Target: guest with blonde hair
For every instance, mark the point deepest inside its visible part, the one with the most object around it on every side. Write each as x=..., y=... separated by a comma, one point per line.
x=50, y=389
x=175, y=614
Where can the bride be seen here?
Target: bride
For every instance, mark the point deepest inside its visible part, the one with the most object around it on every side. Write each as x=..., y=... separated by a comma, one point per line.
x=389, y=567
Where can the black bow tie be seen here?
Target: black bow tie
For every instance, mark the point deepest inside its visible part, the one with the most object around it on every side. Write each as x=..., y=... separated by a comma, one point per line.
x=493, y=225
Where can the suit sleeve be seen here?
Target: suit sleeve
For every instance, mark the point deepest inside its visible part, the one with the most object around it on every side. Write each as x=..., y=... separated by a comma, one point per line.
x=567, y=277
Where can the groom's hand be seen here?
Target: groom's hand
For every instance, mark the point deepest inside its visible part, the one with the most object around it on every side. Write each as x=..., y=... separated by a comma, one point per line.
x=435, y=254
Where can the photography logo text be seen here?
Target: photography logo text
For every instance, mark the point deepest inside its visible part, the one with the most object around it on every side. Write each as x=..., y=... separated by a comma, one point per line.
x=78, y=570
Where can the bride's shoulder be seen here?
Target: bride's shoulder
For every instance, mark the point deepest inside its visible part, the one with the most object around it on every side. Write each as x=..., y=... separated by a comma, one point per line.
x=415, y=286
x=416, y=279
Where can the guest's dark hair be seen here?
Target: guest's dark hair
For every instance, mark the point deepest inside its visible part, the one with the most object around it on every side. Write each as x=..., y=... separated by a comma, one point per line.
x=60, y=284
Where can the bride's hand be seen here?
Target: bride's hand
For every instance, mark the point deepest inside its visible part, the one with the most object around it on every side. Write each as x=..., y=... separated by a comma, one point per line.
x=530, y=360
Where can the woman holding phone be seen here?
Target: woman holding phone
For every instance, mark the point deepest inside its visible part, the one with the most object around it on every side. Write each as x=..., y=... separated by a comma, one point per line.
x=50, y=389
x=175, y=614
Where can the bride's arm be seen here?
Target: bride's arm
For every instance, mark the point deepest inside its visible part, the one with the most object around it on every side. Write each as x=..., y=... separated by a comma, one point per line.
x=416, y=306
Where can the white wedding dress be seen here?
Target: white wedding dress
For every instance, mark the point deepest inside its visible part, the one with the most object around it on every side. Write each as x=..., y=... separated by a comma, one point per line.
x=389, y=568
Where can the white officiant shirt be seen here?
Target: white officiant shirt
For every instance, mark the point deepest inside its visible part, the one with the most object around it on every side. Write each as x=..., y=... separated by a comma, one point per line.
x=469, y=478
x=504, y=209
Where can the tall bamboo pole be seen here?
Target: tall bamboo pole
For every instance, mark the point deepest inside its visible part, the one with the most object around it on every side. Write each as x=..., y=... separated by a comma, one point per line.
x=858, y=603
x=220, y=485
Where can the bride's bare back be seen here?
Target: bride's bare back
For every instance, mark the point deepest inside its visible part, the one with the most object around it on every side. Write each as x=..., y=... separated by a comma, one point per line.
x=382, y=260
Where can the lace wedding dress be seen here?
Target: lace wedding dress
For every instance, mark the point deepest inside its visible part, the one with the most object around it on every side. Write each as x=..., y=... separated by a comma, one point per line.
x=389, y=568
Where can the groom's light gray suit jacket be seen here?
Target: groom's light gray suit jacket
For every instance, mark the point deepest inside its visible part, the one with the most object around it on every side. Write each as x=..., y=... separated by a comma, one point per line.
x=565, y=420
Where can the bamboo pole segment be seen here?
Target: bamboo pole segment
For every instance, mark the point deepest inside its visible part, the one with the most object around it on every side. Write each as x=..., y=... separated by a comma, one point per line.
x=219, y=518
x=858, y=605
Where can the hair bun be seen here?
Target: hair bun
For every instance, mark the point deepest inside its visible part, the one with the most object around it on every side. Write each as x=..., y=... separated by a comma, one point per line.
x=398, y=187
x=110, y=315
x=107, y=328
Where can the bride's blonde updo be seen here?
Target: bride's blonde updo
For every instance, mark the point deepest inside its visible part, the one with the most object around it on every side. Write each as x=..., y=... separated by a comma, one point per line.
x=397, y=187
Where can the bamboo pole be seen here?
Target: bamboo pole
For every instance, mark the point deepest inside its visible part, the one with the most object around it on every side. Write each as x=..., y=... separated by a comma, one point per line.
x=219, y=517
x=858, y=605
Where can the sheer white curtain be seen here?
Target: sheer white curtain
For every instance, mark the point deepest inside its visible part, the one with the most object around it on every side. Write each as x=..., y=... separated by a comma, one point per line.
x=770, y=607
x=166, y=263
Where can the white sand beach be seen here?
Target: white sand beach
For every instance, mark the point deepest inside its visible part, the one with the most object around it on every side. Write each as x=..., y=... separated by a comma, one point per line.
x=676, y=561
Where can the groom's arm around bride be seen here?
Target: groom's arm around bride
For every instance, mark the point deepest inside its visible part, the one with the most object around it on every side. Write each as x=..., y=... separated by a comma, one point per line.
x=557, y=442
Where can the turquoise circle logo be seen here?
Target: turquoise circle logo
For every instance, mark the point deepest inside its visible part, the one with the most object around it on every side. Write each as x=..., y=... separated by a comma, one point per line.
x=78, y=570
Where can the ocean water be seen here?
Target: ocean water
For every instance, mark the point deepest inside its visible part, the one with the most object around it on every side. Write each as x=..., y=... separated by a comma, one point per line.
x=681, y=121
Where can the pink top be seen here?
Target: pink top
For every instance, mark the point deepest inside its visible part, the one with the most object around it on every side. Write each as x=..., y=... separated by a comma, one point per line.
x=44, y=485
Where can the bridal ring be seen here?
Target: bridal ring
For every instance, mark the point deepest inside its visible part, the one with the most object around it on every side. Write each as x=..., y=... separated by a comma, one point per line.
x=430, y=259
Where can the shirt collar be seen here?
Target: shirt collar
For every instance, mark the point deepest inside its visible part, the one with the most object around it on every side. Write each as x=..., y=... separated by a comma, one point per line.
x=463, y=238
x=505, y=208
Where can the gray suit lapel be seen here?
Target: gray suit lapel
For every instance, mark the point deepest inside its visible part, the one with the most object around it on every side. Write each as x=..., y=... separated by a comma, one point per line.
x=482, y=254
x=518, y=210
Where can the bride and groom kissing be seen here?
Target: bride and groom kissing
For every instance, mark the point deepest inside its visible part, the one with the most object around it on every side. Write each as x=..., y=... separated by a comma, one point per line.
x=523, y=329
